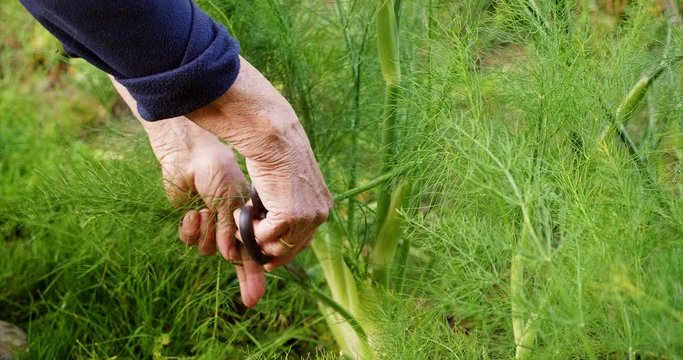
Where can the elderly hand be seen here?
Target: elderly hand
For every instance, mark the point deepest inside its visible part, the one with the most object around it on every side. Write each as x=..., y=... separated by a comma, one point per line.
x=193, y=161
x=262, y=126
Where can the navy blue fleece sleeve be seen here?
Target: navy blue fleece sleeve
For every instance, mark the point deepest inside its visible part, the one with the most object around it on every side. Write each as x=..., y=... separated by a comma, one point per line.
x=170, y=55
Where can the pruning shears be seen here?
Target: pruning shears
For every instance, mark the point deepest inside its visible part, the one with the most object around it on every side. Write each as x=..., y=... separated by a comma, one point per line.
x=255, y=211
x=249, y=213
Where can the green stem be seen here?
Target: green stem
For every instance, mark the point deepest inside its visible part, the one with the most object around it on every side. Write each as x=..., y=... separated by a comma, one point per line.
x=388, y=237
x=388, y=53
x=638, y=91
x=523, y=331
x=355, y=60
x=349, y=334
x=398, y=9
x=354, y=147
x=527, y=338
x=620, y=118
x=388, y=157
x=516, y=297
x=402, y=261
x=370, y=184
x=431, y=34
x=327, y=301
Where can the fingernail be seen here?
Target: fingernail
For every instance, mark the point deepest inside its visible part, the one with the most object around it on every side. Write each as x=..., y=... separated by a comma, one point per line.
x=204, y=218
x=190, y=218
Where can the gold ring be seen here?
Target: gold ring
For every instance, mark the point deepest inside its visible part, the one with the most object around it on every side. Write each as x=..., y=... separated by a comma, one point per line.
x=283, y=242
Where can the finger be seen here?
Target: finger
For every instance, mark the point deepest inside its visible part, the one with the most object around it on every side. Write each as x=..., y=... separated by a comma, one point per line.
x=291, y=254
x=279, y=261
x=278, y=238
x=268, y=232
x=222, y=203
x=234, y=249
x=225, y=235
x=252, y=280
x=207, y=233
x=284, y=245
x=188, y=232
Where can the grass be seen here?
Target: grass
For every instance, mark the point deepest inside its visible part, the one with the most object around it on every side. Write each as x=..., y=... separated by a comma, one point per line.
x=500, y=127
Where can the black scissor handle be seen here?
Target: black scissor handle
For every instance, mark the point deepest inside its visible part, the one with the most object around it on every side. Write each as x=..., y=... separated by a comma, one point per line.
x=247, y=216
x=256, y=202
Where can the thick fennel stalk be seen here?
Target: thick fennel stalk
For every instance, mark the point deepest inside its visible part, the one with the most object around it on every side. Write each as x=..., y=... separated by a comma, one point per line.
x=620, y=118
x=391, y=199
x=633, y=98
x=523, y=328
x=347, y=331
x=388, y=52
x=387, y=239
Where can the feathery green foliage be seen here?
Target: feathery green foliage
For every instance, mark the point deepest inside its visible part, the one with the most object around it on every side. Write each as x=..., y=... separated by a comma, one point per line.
x=525, y=215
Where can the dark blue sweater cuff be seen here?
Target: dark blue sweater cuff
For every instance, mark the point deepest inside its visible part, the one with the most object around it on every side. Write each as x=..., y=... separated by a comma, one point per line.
x=189, y=87
x=195, y=83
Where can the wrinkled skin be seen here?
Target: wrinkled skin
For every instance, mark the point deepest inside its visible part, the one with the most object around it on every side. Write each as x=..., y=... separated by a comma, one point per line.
x=259, y=123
